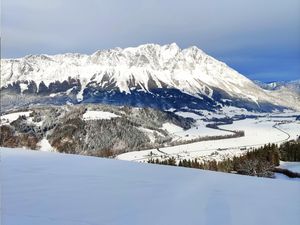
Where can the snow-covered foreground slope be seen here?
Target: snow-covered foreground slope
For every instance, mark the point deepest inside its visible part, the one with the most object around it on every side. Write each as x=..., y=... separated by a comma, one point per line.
x=42, y=188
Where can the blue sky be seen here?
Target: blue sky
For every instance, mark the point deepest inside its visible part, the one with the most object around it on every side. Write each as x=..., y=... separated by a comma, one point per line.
x=260, y=39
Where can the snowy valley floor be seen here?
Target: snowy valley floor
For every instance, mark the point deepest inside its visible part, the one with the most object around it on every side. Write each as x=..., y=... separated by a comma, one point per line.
x=43, y=188
x=258, y=131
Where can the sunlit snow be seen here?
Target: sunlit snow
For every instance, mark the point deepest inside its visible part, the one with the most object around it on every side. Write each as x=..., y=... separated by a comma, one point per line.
x=98, y=115
x=8, y=118
x=46, y=188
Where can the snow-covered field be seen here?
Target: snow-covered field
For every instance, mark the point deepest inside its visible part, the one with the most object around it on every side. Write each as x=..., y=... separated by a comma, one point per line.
x=198, y=130
x=98, y=115
x=292, y=166
x=45, y=145
x=259, y=131
x=13, y=116
x=43, y=188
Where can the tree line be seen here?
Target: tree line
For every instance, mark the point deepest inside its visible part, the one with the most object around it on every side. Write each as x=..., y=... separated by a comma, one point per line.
x=259, y=162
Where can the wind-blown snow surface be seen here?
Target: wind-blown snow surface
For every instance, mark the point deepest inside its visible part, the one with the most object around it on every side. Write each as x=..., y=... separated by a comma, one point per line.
x=55, y=189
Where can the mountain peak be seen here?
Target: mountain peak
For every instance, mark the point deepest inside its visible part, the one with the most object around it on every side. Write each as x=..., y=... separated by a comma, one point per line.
x=144, y=68
x=172, y=46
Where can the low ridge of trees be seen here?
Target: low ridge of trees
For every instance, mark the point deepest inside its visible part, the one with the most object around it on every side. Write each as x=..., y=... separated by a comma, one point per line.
x=260, y=162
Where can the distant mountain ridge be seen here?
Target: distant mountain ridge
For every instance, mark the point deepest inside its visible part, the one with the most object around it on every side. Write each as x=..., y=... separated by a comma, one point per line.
x=293, y=85
x=149, y=75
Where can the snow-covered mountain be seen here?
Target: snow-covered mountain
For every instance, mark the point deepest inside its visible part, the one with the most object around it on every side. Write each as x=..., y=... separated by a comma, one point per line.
x=277, y=85
x=148, y=75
